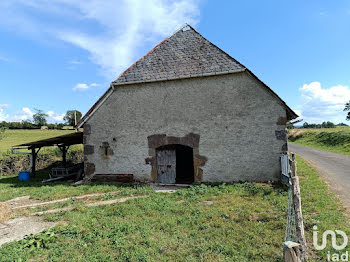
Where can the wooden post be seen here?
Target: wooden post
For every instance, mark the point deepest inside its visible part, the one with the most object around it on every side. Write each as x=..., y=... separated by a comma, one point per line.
x=298, y=213
x=291, y=252
x=64, y=155
x=33, y=161
x=293, y=163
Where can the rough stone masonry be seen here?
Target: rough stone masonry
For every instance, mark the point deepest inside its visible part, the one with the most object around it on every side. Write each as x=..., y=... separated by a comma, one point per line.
x=187, y=92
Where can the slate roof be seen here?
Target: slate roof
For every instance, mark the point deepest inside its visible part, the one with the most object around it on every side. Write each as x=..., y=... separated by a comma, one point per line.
x=184, y=54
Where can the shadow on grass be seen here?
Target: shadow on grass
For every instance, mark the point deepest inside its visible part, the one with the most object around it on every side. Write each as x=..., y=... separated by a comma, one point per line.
x=36, y=181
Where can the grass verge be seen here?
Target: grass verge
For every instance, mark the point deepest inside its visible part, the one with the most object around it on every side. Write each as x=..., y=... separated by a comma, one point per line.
x=335, y=140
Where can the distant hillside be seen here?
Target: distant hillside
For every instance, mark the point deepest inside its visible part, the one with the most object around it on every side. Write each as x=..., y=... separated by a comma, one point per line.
x=331, y=139
x=13, y=137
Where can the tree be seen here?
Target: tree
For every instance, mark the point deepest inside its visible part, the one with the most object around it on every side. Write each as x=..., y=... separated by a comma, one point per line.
x=39, y=118
x=60, y=126
x=70, y=117
x=27, y=124
x=347, y=108
x=342, y=124
x=306, y=125
x=330, y=124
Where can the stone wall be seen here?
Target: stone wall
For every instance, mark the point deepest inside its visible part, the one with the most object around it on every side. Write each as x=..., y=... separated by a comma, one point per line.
x=239, y=125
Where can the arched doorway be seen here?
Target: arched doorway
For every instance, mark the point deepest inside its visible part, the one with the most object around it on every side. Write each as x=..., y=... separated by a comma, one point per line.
x=175, y=164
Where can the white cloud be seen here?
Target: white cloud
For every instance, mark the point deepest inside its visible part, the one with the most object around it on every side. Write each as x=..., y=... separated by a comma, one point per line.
x=3, y=115
x=83, y=86
x=112, y=31
x=27, y=114
x=54, y=117
x=299, y=113
x=320, y=104
x=24, y=114
x=27, y=111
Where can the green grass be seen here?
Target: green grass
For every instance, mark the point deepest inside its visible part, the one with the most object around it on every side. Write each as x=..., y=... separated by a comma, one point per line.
x=320, y=207
x=11, y=188
x=246, y=222
x=14, y=137
x=335, y=140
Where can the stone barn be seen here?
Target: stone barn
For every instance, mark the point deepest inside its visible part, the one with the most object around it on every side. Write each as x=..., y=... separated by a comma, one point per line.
x=186, y=112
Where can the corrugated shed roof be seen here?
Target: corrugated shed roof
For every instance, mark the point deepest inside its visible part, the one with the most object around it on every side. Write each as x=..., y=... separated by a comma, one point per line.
x=67, y=140
x=184, y=54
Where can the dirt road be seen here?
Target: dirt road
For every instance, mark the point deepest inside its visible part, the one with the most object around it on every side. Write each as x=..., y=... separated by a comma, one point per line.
x=334, y=169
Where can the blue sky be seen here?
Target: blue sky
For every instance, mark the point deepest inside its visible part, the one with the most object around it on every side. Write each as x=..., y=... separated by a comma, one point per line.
x=62, y=54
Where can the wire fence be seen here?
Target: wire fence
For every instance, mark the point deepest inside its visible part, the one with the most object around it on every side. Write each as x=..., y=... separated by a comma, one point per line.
x=295, y=241
x=291, y=234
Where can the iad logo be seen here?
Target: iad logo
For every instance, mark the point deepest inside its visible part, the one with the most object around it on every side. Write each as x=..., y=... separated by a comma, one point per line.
x=335, y=256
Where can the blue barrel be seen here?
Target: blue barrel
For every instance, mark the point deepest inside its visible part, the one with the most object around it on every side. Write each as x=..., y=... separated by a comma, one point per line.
x=24, y=176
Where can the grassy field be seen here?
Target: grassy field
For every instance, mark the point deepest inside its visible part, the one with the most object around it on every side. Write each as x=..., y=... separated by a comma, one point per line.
x=331, y=139
x=14, y=137
x=241, y=222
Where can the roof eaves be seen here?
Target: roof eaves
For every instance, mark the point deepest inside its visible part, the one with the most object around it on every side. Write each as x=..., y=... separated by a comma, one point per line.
x=178, y=78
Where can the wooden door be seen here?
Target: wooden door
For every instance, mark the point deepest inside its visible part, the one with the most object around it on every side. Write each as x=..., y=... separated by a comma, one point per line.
x=166, y=166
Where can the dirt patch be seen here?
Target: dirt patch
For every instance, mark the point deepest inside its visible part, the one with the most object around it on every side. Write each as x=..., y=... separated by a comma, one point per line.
x=93, y=204
x=38, y=203
x=5, y=212
x=21, y=201
x=18, y=228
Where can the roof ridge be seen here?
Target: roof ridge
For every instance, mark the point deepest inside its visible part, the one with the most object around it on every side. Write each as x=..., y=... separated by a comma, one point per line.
x=220, y=49
x=177, y=30
x=154, y=48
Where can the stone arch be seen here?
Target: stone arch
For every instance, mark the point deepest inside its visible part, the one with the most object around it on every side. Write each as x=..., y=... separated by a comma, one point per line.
x=190, y=140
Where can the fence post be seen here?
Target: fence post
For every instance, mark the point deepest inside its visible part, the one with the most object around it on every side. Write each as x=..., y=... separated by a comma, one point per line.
x=291, y=252
x=298, y=213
